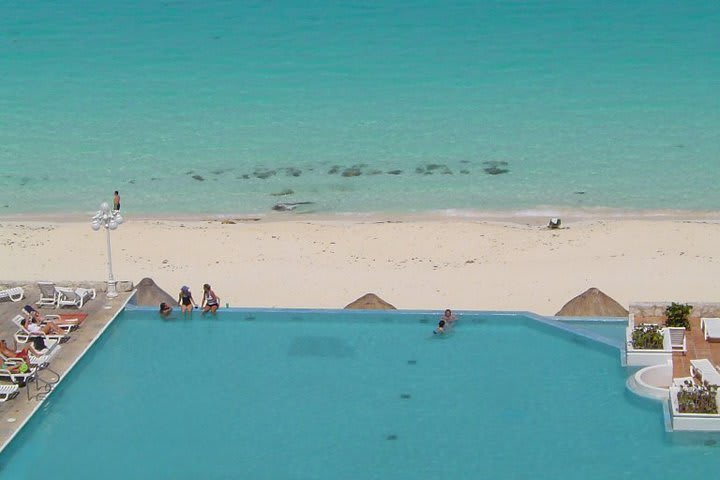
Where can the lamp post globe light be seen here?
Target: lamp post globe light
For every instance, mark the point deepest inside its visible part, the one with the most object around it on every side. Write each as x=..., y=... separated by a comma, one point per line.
x=109, y=219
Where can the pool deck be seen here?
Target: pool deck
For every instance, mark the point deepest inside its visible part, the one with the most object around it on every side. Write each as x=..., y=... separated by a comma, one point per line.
x=697, y=346
x=15, y=413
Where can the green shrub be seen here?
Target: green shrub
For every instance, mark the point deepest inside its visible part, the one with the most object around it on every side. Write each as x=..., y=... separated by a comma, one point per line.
x=647, y=337
x=697, y=398
x=677, y=315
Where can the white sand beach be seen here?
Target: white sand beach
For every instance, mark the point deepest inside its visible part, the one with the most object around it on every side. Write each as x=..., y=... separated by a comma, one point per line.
x=413, y=263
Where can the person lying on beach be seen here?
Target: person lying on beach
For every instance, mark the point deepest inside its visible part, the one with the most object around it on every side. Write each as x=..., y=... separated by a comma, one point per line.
x=210, y=302
x=186, y=300
x=440, y=328
x=42, y=329
x=74, y=319
x=165, y=309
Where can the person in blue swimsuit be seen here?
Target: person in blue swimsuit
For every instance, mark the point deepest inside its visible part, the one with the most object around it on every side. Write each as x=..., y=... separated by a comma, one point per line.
x=185, y=300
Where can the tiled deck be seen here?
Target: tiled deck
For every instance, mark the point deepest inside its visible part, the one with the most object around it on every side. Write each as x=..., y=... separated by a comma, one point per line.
x=696, y=344
x=698, y=347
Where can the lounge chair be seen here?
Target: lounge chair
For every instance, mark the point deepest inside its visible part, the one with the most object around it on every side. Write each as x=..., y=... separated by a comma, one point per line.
x=74, y=297
x=711, y=328
x=18, y=378
x=8, y=391
x=24, y=336
x=48, y=294
x=14, y=294
x=56, y=319
x=704, y=370
x=678, y=342
x=41, y=361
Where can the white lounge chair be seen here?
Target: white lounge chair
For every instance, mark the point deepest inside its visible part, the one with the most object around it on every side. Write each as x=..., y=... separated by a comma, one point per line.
x=8, y=392
x=42, y=360
x=14, y=294
x=18, y=378
x=67, y=326
x=24, y=336
x=48, y=294
x=678, y=342
x=704, y=370
x=711, y=328
x=74, y=297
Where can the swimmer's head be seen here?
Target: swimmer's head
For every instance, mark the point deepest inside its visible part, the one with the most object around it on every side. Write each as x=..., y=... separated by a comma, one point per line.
x=441, y=324
x=448, y=312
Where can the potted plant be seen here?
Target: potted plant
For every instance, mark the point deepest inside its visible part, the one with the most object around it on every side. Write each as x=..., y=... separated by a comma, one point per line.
x=697, y=398
x=647, y=337
x=677, y=315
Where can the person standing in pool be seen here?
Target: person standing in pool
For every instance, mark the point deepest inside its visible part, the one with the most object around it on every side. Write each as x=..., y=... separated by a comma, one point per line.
x=210, y=302
x=116, y=201
x=448, y=317
x=185, y=300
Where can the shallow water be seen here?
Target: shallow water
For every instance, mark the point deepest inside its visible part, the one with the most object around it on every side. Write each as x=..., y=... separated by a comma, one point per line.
x=214, y=106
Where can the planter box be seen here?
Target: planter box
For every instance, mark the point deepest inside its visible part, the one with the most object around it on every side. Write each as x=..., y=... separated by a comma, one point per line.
x=701, y=422
x=646, y=357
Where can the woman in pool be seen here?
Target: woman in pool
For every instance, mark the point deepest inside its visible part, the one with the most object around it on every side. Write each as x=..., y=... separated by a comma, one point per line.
x=210, y=302
x=186, y=300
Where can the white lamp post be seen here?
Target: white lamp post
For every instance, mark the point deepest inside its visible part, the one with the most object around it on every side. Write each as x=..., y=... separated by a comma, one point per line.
x=110, y=219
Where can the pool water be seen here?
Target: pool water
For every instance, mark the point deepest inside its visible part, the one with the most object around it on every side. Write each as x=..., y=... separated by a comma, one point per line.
x=611, y=329
x=330, y=395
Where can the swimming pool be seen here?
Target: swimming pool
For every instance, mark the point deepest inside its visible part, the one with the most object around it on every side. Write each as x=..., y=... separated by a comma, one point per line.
x=357, y=395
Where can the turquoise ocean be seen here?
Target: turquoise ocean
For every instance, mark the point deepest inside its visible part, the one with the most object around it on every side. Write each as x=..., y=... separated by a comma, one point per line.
x=218, y=106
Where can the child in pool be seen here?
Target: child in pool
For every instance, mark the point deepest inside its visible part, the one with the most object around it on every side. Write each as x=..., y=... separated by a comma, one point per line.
x=440, y=328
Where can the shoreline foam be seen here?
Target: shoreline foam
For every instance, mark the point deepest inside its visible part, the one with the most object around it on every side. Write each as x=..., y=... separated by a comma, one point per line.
x=538, y=215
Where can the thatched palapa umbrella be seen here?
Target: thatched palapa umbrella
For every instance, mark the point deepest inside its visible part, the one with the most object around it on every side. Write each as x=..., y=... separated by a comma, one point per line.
x=150, y=295
x=592, y=303
x=369, y=301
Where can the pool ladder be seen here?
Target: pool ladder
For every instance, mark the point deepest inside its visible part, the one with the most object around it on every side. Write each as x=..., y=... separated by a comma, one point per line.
x=43, y=386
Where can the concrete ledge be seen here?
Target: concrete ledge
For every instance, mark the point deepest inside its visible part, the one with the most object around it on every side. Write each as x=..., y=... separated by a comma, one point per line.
x=652, y=382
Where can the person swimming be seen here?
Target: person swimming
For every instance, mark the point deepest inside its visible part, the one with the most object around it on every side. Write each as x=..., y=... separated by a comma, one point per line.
x=440, y=328
x=449, y=317
x=165, y=309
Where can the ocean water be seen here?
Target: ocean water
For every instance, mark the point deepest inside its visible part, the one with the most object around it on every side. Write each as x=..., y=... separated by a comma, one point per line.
x=216, y=107
x=327, y=395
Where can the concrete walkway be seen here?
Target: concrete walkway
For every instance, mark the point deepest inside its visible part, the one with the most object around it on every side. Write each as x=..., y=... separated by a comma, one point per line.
x=14, y=413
